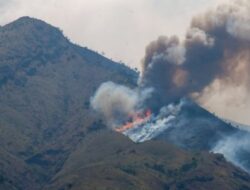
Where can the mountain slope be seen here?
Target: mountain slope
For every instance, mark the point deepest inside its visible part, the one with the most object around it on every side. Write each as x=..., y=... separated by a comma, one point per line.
x=106, y=160
x=45, y=86
x=15, y=173
x=191, y=127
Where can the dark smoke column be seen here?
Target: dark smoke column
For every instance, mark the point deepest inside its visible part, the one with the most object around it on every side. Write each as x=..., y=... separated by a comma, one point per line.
x=216, y=48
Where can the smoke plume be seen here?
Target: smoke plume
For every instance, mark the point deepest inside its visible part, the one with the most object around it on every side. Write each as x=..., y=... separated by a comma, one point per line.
x=216, y=49
x=116, y=103
x=214, y=56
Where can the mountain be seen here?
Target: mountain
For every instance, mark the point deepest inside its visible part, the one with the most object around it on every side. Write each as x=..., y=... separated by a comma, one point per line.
x=187, y=125
x=45, y=86
x=51, y=139
x=111, y=161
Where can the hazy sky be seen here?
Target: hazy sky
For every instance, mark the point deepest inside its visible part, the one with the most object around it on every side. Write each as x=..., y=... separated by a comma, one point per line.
x=120, y=28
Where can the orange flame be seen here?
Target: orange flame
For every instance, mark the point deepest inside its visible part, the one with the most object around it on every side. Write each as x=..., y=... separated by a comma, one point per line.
x=136, y=120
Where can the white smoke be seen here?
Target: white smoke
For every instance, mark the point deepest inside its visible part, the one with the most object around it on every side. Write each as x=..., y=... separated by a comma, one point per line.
x=116, y=102
x=235, y=149
x=157, y=124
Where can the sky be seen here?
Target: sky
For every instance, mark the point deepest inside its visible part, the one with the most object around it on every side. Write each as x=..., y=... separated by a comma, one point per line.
x=121, y=29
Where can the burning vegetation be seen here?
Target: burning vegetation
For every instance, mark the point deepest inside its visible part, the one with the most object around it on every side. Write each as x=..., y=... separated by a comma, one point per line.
x=135, y=120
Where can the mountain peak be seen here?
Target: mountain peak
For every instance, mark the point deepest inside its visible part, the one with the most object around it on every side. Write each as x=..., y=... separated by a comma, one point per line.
x=29, y=22
x=26, y=37
x=27, y=19
x=31, y=30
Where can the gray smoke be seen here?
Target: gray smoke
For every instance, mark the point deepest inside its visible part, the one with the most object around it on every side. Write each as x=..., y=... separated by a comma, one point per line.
x=214, y=55
x=216, y=48
x=235, y=148
x=116, y=103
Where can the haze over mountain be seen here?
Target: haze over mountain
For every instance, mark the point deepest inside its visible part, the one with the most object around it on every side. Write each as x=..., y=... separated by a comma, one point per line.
x=51, y=139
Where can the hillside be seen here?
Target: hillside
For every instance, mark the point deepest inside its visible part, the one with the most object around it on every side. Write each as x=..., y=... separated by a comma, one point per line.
x=45, y=86
x=105, y=160
x=189, y=126
x=51, y=139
